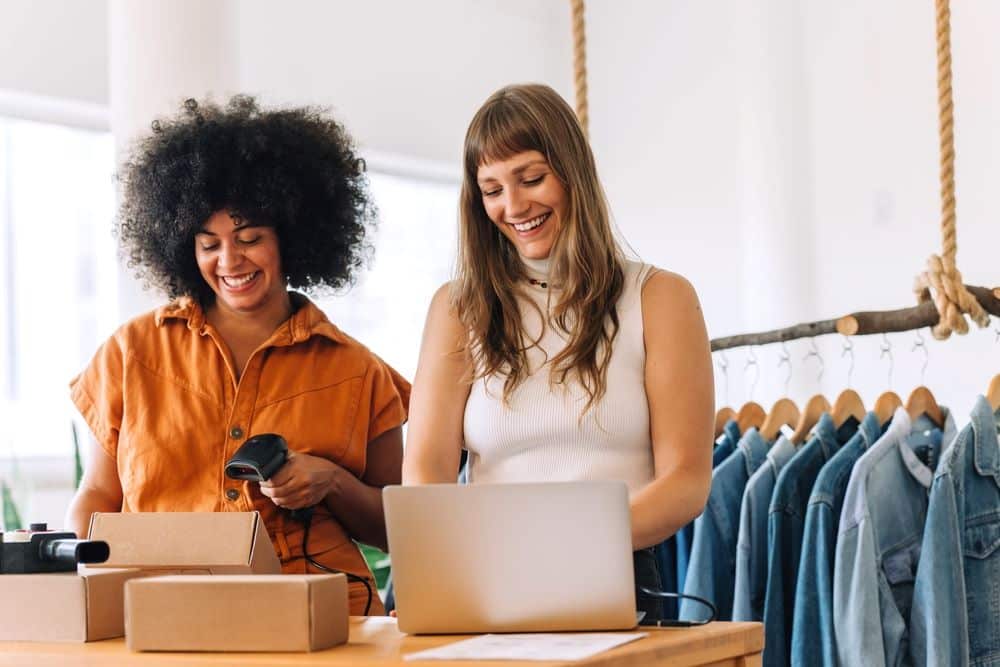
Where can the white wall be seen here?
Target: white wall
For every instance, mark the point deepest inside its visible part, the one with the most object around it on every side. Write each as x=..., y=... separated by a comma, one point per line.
x=405, y=77
x=55, y=48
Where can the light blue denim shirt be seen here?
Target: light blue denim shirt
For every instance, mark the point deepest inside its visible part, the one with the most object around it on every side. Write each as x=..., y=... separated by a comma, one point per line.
x=713, y=556
x=785, y=527
x=813, y=642
x=956, y=600
x=878, y=543
x=751, y=544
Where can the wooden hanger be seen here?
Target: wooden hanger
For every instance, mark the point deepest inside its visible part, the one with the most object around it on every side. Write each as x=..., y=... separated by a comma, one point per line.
x=885, y=406
x=993, y=393
x=814, y=409
x=750, y=415
x=721, y=417
x=848, y=404
x=922, y=402
x=784, y=411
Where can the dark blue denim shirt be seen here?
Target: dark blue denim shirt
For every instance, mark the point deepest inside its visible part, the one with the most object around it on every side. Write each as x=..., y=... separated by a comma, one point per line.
x=713, y=556
x=879, y=541
x=674, y=555
x=813, y=642
x=751, y=543
x=786, y=525
x=955, y=618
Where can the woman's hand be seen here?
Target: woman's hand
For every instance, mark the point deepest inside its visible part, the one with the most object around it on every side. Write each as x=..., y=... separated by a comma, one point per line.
x=303, y=481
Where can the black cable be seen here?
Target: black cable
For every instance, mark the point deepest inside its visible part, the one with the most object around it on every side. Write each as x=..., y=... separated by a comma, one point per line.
x=305, y=516
x=670, y=623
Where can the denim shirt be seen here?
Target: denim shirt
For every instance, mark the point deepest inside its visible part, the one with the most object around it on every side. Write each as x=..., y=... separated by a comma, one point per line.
x=713, y=557
x=674, y=555
x=786, y=524
x=956, y=600
x=813, y=641
x=751, y=544
x=878, y=543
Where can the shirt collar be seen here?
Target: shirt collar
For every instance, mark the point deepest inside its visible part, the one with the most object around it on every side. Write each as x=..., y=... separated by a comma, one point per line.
x=826, y=432
x=754, y=449
x=984, y=426
x=899, y=431
x=306, y=321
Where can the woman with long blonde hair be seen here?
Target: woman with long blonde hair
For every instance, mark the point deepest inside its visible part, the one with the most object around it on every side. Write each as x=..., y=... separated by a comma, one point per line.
x=551, y=357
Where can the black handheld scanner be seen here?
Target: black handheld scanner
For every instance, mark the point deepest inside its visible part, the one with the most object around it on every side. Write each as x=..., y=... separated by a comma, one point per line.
x=50, y=552
x=258, y=458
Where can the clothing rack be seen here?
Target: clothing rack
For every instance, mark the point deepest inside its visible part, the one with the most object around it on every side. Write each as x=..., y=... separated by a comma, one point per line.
x=862, y=323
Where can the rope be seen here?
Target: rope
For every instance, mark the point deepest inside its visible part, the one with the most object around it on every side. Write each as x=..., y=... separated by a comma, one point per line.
x=580, y=65
x=942, y=281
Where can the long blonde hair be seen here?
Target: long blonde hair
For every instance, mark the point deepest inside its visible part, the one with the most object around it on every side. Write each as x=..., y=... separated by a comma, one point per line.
x=586, y=261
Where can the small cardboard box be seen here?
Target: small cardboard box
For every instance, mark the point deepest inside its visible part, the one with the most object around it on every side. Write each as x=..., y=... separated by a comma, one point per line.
x=63, y=607
x=205, y=542
x=292, y=612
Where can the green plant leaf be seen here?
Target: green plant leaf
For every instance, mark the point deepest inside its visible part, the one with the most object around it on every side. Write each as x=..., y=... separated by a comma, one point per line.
x=77, y=460
x=11, y=517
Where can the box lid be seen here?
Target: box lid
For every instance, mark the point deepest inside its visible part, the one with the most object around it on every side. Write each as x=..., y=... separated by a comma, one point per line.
x=217, y=542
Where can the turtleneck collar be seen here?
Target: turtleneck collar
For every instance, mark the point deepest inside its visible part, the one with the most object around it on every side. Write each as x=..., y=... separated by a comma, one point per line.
x=536, y=268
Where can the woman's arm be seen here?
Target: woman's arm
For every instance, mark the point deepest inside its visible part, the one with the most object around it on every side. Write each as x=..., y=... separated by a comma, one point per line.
x=437, y=405
x=306, y=480
x=680, y=390
x=100, y=491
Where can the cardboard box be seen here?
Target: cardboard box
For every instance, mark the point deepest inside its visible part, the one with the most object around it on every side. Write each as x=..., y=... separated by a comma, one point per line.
x=63, y=607
x=292, y=612
x=204, y=542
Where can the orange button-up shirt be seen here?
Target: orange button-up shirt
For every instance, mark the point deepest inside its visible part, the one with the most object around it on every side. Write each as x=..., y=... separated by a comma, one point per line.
x=162, y=399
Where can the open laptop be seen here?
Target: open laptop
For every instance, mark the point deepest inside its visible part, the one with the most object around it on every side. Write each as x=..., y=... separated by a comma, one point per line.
x=540, y=557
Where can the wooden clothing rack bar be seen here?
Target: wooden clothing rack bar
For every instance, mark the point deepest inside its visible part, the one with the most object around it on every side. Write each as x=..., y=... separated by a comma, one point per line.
x=862, y=323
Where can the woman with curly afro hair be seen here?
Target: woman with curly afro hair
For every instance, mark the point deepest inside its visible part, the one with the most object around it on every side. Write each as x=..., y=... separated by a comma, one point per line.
x=225, y=209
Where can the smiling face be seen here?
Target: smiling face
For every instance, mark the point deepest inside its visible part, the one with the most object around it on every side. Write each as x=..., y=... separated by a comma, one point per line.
x=526, y=200
x=242, y=264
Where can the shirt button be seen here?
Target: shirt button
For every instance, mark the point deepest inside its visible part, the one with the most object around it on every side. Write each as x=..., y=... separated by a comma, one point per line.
x=236, y=433
x=232, y=494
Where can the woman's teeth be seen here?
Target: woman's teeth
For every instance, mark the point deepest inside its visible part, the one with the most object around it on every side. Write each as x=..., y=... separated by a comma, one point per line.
x=531, y=224
x=239, y=281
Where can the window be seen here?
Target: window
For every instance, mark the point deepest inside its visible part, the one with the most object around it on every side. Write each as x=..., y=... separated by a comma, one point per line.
x=57, y=273
x=414, y=254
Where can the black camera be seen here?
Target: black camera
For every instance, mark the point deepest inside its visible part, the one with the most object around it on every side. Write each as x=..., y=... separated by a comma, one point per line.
x=49, y=551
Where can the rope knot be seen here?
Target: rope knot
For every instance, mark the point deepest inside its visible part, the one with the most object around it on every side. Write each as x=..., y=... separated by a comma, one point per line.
x=942, y=283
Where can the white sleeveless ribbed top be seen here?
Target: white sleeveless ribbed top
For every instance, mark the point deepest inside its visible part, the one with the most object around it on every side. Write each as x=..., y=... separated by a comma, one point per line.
x=539, y=435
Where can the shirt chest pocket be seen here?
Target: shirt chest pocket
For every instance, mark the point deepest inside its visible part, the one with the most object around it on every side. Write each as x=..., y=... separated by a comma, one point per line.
x=983, y=540
x=320, y=421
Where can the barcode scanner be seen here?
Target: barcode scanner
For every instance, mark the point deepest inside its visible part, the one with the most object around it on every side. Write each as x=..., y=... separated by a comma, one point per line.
x=257, y=460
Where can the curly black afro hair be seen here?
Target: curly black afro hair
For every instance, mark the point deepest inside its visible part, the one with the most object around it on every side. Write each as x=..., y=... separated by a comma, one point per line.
x=294, y=170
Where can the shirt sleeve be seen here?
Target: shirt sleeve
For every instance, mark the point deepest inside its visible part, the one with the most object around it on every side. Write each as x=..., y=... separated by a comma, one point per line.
x=742, y=589
x=856, y=598
x=389, y=399
x=97, y=394
x=812, y=629
x=939, y=615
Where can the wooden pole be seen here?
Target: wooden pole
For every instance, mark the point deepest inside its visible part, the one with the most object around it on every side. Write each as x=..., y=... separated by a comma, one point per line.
x=861, y=323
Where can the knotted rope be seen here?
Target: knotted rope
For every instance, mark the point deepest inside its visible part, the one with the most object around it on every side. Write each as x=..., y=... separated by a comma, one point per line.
x=942, y=281
x=580, y=65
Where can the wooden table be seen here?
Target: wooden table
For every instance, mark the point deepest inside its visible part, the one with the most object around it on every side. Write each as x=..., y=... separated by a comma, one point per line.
x=377, y=641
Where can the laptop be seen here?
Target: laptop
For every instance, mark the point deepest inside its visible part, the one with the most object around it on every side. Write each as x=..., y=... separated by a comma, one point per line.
x=538, y=557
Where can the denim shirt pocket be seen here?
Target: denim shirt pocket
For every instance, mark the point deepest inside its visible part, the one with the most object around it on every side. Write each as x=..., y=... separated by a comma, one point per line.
x=981, y=546
x=982, y=540
x=900, y=568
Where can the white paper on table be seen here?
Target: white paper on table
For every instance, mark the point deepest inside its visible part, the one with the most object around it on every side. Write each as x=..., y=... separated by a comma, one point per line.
x=575, y=646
